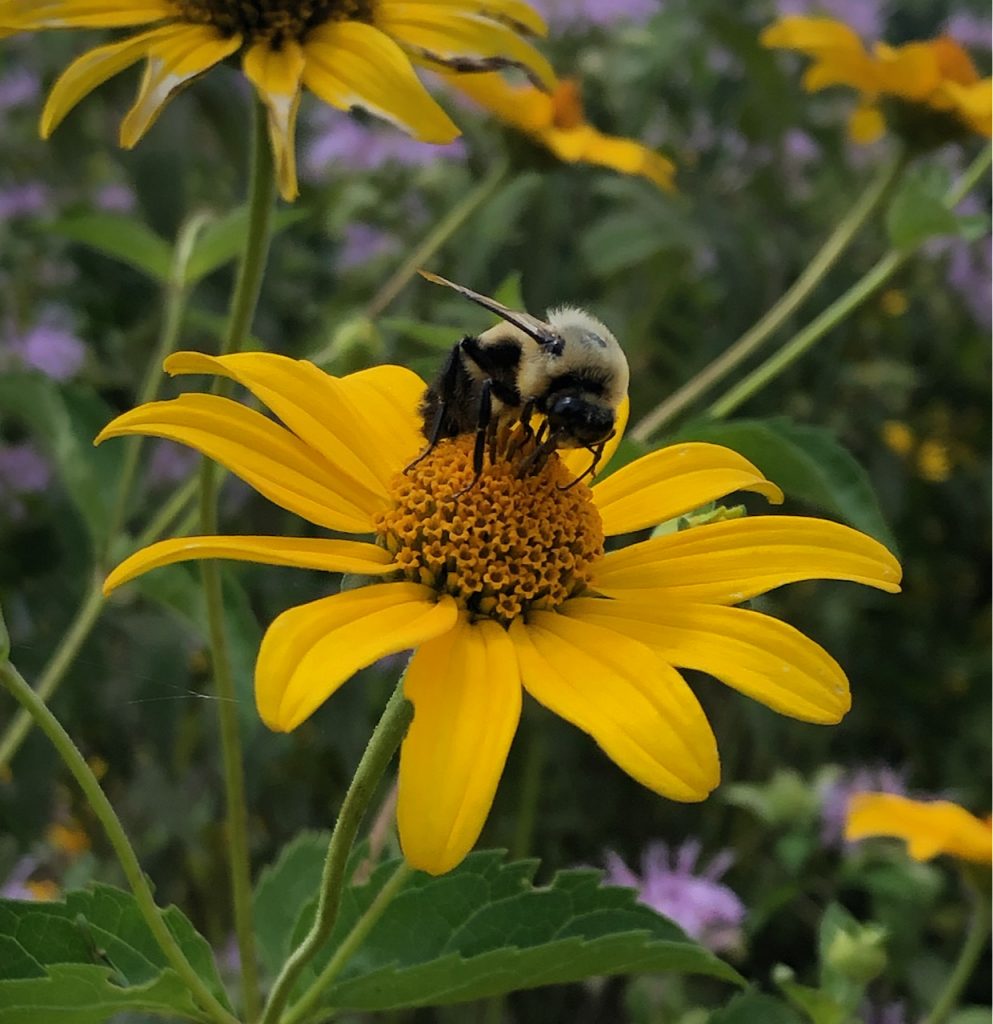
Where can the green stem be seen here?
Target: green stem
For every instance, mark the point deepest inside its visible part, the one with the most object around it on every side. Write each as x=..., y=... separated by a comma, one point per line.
x=74, y=637
x=169, y=512
x=436, y=238
x=530, y=793
x=874, y=279
x=815, y=271
x=174, y=306
x=299, y=1010
x=76, y=763
x=972, y=948
x=244, y=299
x=382, y=746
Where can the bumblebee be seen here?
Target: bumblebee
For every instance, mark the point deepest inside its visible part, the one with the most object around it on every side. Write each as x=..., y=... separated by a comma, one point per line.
x=570, y=370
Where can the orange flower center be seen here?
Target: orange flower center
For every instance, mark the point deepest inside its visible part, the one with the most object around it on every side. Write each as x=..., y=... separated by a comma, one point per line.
x=517, y=538
x=271, y=20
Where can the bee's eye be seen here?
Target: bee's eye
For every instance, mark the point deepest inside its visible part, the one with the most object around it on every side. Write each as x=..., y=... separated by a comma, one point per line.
x=586, y=421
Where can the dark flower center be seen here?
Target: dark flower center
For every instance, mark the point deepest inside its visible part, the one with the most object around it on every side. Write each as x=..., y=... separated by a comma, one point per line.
x=272, y=20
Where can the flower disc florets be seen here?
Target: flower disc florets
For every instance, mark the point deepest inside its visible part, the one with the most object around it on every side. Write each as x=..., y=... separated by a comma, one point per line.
x=272, y=20
x=518, y=538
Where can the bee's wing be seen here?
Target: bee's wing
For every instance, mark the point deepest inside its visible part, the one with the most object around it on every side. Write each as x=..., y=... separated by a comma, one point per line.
x=543, y=333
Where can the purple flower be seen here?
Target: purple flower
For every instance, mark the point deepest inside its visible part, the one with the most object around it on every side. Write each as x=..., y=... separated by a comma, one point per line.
x=838, y=791
x=52, y=349
x=115, y=199
x=169, y=463
x=867, y=17
x=969, y=30
x=23, y=200
x=362, y=243
x=18, y=87
x=695, y=899
x=23, y=469
x=341, y=141
x=14, y=886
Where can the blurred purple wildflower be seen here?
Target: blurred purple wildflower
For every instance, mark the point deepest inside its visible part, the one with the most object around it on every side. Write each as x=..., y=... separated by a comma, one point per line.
x=169, y=464
x=671, y=884
x=362, y=243
x=14, y=886
x=969, y=30
x=24, y=200
x=18, y=87
x=23, y=471
x=52, y=349
x=969, y=264
x=561, y=13
x=884, y=1013
x=838, y=791
x=341, y=141
x=867, y=17
x=115, y=198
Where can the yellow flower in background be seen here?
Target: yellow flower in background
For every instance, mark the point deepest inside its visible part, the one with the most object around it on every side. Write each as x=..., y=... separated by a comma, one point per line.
x=347, y=52
x=935, y=76
x=928, y=827
x=556, y=121
x=504, y=585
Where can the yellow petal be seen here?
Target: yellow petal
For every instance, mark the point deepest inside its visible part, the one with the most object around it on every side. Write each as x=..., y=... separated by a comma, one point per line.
x=173, y=60
x=866, y=125
x=513, y=13
x=350, y=64
x=812, y=36
x=578, y=459
x=266, y=456
x=308, y=652
x=276, y=75
x=302, y=552
x=460, y=39
x=731, y=562
x=466, y=692
x=521, y=106
x=92, y=69
x=765, y=659
x=911, y=71
x=365, y=425
x=974, y=103
x=627, y=156
x=672, y=481
x=638, y=709
x=29, y=15
x=929, y=828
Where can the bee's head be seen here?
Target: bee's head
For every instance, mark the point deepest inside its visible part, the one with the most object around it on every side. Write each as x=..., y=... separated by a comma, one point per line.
x=579, y=419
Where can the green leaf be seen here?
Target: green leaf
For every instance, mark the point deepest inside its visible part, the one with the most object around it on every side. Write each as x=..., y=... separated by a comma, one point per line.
x=223, y=239
x=63, y=420
x=121, y=238
x=92, y=956
x=484, y=930
x=917, y=213
x=283, y=889
x=755, y=1008
x=816, y=1004
x=808, y=463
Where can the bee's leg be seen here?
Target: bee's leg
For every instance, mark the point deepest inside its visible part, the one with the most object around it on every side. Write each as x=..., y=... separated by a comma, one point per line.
x=526, y=413
x=536, y=457
x=597, y=451
x=447, y=383
x=483, y=424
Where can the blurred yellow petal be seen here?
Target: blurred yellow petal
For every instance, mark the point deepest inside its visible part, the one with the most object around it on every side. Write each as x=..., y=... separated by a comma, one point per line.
x=672, y=481
x=276, y=75
x=515, y=13
x=91, y=70
x=929, y=828
x=350, y=64
x=266, y=456
x=909, y=71
x=462, y=40
x=309, y=651
x=173, y=61
x=30, y=15
x=730, y=562
x=812, y=36
x=578, y=459
x=866, y=125
x=857, y=70
x=765, y=659
x=365, y=424
x=466, y=692
x=974, y=103
x=638, y=709
x=627, y=156
x=521, y=106
x=302, y=552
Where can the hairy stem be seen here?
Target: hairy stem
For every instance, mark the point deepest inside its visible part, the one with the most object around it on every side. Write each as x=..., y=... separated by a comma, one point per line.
x=815, y=272
x=382, y=746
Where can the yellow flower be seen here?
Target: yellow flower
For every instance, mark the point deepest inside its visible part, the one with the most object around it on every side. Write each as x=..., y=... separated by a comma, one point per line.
x=929, y=828
x=348, y=52
x=504, y=584
x=557, y=122
x=71, y=839
x=934, y=461
x=935, y=77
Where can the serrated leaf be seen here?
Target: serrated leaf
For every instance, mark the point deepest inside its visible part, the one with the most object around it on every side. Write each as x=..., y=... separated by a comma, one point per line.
x=121, y=238
x=91, y=956
x=222, y=240
x=63, y=420
x=755, y=1008
x=917, y=213
x=484, y=930
x=808, y=463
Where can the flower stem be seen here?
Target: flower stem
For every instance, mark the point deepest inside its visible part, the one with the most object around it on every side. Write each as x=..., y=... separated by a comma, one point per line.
x=382, y=746
x=815, y=271
x=244, y=299
x=76, y=763
x=436, y=238
x=299, y=1010
x=874, y=279
x=972, y=948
